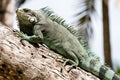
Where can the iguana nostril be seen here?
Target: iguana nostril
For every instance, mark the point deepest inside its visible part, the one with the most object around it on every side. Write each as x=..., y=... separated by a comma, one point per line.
x=17, y=10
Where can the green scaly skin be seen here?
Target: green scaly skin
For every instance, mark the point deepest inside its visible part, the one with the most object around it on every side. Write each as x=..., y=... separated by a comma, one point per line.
x=39, y=28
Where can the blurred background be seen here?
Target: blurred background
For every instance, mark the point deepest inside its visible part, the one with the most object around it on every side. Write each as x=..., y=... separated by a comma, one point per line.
x=96, y=20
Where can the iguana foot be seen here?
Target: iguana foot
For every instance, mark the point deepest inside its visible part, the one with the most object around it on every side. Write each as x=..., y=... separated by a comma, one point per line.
x=74, y=65
x=61, y=59
x=22, y=35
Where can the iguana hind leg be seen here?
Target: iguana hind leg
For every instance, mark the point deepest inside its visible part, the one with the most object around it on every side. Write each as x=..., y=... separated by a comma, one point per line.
x=74, y=62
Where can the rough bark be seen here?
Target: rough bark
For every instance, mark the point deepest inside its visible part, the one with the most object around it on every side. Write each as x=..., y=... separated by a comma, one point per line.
x=23, y=61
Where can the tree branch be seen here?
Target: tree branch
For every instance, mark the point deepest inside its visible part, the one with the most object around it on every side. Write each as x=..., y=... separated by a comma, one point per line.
x=23, y=61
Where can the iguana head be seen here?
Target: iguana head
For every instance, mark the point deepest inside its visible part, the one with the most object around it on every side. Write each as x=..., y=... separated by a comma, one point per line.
x=26, y=18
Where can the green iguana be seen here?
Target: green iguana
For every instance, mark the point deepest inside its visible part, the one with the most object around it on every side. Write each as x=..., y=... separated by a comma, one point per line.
x=43, y=26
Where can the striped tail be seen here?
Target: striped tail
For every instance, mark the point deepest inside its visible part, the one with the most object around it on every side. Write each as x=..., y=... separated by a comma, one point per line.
x=107, y=74
x=94, y=66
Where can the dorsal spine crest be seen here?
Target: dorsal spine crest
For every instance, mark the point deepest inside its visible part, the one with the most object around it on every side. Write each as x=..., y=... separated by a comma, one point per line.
x=49, y=13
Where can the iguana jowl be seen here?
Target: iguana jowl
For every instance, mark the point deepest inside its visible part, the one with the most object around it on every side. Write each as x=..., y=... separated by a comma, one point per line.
x=43, y=26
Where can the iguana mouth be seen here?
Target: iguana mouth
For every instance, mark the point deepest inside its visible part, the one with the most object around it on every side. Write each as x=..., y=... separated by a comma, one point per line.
x=24, y=22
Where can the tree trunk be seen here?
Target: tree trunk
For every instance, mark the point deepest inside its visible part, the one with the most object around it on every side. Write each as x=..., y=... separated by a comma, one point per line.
x=106, y=33
x=6, y=12
x=23, y=61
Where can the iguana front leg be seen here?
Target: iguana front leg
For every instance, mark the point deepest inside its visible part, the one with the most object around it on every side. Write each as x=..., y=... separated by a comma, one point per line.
x=32, y=38
x=36, y=38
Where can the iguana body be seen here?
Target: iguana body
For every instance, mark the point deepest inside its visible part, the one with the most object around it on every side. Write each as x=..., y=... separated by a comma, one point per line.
x=42, y=26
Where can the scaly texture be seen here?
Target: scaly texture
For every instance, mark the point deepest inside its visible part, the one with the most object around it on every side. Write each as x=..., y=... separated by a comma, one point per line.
x=42, y=26
x=49, y=13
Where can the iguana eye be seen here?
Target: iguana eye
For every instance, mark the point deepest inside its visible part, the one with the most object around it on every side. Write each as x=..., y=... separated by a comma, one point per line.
x=26, y=10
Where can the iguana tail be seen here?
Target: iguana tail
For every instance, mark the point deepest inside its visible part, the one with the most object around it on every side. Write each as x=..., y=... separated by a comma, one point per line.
x=94, y=66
